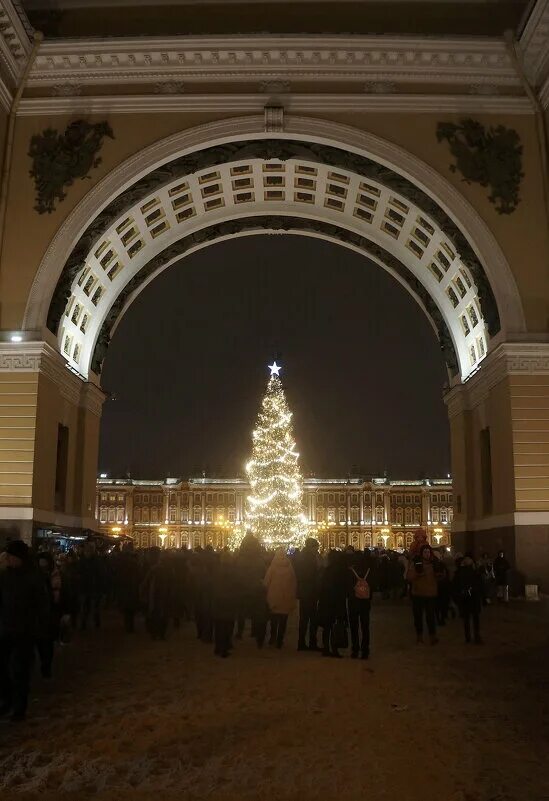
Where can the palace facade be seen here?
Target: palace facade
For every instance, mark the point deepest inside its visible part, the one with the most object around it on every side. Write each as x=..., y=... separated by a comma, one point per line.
x=179, y=513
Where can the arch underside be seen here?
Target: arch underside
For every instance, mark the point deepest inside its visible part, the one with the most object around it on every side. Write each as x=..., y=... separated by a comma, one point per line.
x=274, y=224
x=273, y=185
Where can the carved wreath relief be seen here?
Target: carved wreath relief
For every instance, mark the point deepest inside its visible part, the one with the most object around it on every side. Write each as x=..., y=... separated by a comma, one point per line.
x=59, y=159
x=491, y=157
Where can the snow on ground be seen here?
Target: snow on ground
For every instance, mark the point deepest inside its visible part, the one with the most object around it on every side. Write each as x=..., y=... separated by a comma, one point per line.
x=126, y=718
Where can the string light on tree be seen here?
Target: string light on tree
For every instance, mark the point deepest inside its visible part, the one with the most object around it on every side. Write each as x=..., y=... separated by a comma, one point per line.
x=274, y=509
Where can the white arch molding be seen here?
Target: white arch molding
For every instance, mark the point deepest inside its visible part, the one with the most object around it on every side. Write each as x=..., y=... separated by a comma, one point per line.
x=296, y=128
x=268, y=232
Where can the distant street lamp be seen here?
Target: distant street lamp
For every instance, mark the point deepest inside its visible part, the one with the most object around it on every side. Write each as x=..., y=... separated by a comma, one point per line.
x=163, y=534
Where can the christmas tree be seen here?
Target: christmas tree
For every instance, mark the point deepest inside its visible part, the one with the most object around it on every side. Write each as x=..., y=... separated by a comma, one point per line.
x=274, y=509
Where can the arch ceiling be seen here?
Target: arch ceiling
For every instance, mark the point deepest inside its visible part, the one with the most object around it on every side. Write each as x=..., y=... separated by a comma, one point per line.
x=273, y=185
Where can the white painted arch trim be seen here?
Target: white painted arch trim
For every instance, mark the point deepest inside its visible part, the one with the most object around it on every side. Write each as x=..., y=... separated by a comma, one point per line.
x=248, y=233
x=211, y=195
x=253, y=128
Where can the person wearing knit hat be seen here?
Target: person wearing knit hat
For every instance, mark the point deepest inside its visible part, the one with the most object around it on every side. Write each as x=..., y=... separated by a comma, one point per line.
x=23, y=610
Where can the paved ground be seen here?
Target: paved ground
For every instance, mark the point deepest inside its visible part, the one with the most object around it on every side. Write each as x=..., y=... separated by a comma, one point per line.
x=126, y=718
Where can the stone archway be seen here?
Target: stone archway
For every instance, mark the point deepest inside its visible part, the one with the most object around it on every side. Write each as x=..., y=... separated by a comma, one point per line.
x=237, y=177
x=337, y=182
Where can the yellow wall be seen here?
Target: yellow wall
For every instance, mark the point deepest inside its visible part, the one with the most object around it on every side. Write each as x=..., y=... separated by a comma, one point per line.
x=530, y=420
x=18, y=403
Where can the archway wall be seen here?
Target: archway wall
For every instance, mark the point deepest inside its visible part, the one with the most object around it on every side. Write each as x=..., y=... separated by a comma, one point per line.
x=520, y=236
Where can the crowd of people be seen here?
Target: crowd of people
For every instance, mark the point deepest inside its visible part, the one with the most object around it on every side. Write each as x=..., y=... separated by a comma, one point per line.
x=46, y=597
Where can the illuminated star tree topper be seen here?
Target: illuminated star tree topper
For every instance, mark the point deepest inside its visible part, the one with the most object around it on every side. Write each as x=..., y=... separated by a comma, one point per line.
x=274, y=508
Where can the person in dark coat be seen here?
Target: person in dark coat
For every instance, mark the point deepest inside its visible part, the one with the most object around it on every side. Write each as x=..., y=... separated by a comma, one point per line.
x=224, y=604
x=91, y=585
x=70, y=578
x=396, y=576
x=332, y=602
x=501, y=572
x=359, y=605
x=128, y=582
x=181, y=588
x=307, y=571
x=468, y=593
x=156, y=594
x=250, y=569
x=24, y=609
x=204, y=565
x=444, y=592
x=47, y=638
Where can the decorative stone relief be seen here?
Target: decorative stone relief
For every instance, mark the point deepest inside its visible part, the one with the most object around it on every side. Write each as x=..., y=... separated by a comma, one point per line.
x=169, y=88
x=380, y=87
x=491, y=157
x=487, y=89
x=59, y=159
x=66, y=90
x=274, y=87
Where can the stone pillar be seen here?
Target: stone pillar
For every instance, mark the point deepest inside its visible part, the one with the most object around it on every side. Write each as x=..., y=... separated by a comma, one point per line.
x=49, y=441
x=499, y=425
x=425, y=507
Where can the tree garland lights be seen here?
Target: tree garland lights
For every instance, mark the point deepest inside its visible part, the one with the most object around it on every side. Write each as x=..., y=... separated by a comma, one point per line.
x=274, y=510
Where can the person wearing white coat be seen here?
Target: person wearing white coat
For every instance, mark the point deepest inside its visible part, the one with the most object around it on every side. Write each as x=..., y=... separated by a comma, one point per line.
x=281, y=585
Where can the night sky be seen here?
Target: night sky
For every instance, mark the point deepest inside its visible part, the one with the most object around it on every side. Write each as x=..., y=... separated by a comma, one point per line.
x=188, y=365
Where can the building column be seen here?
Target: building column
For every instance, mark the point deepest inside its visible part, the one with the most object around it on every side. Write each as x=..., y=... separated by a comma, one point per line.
x=499, y=428
x=387, y=506
x=425, y=507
